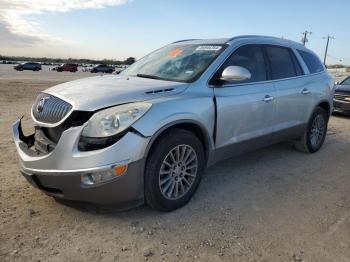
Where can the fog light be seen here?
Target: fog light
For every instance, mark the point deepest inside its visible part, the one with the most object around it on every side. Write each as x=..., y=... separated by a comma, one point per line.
x=104, y=176
x=88, y=179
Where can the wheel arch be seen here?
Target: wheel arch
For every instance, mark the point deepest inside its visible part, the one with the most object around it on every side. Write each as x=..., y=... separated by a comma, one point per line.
x=190, y=125
x=326, y=106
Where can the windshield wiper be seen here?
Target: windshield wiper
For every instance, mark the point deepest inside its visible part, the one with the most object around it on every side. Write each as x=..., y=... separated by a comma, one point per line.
x=149, y=76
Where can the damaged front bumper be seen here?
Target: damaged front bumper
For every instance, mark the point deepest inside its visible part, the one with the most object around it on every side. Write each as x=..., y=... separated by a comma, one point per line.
x=59, y=172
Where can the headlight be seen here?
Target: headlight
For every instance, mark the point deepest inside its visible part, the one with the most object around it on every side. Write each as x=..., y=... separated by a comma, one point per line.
x=111, y=121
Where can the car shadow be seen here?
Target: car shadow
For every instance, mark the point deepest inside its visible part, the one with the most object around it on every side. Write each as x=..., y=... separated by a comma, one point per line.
x=231, y=178
x=341, y=115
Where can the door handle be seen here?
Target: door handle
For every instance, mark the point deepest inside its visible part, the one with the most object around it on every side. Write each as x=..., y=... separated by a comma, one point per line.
x=268, y=98
x=305, y=91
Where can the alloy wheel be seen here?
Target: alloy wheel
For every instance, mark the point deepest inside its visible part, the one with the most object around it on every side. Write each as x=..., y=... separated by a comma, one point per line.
x=178, y=172
x=317, y=130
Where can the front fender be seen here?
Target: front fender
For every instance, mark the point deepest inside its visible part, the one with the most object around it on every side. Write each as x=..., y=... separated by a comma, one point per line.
x=163, y=114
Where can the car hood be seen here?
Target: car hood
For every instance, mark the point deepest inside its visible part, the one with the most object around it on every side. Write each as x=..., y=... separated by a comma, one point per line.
x=342, y=88
x=93, y=93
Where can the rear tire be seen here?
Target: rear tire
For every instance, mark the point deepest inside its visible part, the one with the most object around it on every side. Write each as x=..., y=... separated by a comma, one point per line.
x=173, y=170
x=315, y=133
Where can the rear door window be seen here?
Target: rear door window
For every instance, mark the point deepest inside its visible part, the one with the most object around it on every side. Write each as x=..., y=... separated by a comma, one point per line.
x=297, y=65
x=312, y=62
x=281, y=61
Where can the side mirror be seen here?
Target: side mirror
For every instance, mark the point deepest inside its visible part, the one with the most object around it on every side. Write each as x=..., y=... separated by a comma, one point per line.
x=235, y=73
x=337, y=83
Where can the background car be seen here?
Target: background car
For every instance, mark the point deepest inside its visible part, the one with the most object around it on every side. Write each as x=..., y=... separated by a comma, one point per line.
x=341, y=99
x=67, y=67
x=28, y=66
x=102, y=69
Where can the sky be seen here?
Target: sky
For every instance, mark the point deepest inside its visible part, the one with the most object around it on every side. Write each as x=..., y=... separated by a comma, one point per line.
x=117, y=29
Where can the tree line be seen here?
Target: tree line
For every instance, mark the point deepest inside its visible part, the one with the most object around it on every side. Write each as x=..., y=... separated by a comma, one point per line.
x=128, y=61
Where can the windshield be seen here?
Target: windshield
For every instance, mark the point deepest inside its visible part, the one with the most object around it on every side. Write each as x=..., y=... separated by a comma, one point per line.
x=181, y=63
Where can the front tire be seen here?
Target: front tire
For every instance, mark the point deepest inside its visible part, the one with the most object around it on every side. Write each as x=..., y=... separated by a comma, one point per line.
x=173, y=170
x=315, y=133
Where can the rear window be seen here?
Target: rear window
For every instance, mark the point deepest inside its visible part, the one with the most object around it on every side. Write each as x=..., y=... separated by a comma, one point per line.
x=312, y=62
x=282, y=65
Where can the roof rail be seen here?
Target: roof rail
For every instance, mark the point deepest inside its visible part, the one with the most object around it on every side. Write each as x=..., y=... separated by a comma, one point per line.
x=185, y=40
x=266, y=37
x=253, y=36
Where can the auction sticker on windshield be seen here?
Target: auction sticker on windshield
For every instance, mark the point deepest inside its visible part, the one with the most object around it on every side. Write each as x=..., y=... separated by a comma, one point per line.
x=175, y=53
x=208, y=48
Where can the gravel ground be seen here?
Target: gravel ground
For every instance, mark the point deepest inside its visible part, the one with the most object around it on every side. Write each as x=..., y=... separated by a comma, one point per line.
x=275, y=204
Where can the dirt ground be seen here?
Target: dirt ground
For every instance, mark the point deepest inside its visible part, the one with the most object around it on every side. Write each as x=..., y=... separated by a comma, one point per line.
x=275, y=204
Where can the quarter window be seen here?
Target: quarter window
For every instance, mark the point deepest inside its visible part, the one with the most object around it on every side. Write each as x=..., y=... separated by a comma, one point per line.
x=282, y=65
x=312, y=62
x=250, y=57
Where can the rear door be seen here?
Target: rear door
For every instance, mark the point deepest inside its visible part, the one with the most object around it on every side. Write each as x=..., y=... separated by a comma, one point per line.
x=245, y=109
x=292, y=93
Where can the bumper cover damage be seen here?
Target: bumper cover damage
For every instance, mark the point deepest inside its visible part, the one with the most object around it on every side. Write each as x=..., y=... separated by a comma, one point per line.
x=58, y=173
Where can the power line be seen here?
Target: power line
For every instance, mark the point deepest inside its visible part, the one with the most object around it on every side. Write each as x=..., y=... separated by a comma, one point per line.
x=325, y=53
x=334, y=57
x=304, y=39
x=343, y=41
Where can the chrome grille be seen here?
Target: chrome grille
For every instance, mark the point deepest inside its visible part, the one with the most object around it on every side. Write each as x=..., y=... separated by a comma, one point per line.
x=50, y=109
x=342, y=97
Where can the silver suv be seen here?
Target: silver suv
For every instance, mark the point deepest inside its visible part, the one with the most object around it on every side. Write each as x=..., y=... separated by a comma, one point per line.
x=148, y=134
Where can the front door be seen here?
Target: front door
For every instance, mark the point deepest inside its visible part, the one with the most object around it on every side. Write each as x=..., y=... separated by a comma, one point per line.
x=244, y=109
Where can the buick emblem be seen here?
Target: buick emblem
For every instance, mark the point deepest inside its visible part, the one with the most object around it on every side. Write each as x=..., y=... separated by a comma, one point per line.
x=40, y=105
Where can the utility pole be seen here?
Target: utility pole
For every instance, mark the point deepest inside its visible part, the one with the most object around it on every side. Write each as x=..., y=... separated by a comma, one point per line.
x=304, y=40
x=325, y=53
